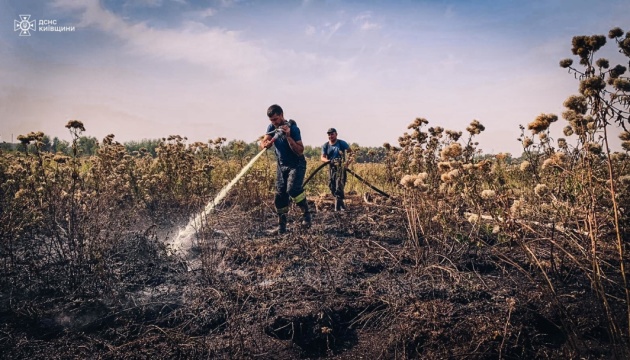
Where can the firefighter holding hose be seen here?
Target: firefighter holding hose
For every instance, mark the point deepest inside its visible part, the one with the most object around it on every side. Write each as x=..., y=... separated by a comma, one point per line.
x=334, y=152
x=291, y=166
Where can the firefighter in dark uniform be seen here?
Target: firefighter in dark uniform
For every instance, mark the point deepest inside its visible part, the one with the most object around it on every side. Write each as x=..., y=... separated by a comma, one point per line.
x=334, y=152
x=291, y=166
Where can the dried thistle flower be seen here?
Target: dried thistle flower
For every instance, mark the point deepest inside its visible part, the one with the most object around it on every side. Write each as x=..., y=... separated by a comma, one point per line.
x=577, y=103
x=475, y=127
x=592, y=86
x=616, y=71
x=75, y=124
x=547, y=163
x=418, y=122
x=483, y=165
x=436, y=131
x=594, y=148
x=562, y=143
x=20, y=193
x=527, y=142
x=542, y=122
x=517, y=208
x=24, y=139
x=109, y=139
x=526, y=166
x=452, y=151
x=454, y=135
x=617, y=156
x=583, y=46
x=567, y=131
x=615, y=33
x=602, y=63
x=60, y=159
x=621, y=85
x=407, y=181
x=444, y=166
x=557, y=160
x=541, y=190
x=454, y=174
x=420, y=185
x=565, y=63
x=488, y=194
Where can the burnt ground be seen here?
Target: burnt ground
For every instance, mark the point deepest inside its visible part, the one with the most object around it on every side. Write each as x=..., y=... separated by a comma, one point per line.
x=350, y=287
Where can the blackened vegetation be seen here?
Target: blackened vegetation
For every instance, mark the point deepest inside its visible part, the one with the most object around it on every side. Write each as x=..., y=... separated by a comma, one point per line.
x=349, y=287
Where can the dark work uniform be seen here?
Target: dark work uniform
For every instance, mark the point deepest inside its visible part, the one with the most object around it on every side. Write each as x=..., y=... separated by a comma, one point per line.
x=289, y=172
x=337, y=173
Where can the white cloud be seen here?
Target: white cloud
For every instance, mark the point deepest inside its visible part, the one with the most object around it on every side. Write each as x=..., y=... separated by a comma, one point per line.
x=364, y=21
x=147, y=3
x=229, y=3
x=209, y=12
x=326, y=30
x=370, y=26
x=331, y=29
x=214, y=48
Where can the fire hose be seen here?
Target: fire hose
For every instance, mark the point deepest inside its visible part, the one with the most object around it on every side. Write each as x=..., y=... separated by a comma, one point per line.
x=352, y=173
x=278, y=132
x=368, y=184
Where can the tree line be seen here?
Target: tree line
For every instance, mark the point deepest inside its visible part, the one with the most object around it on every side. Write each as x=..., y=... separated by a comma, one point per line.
x=89, y=145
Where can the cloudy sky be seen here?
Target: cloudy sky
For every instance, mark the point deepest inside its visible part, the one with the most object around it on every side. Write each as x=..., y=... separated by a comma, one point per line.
x=145, y=69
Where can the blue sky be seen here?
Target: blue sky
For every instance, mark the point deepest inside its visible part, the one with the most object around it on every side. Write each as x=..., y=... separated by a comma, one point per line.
x=202, y=69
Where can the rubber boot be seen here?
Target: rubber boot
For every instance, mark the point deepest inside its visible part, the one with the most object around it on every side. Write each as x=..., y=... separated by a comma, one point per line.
x=339, y=205
x=282, y=226
x=306, y=220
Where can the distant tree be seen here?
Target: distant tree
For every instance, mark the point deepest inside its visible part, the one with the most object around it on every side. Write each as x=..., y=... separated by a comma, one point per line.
x=148, y=144
x=62, y=146
x=5, y=146
x=312, y=152
x=87, y=145
x=368, y=154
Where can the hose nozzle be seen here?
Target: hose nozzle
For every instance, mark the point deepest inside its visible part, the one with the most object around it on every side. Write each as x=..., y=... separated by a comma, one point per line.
x=277, y=133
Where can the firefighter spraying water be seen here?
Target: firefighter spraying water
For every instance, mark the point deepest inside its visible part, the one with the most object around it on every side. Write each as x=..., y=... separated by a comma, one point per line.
x=285, y=136
x=291, y=167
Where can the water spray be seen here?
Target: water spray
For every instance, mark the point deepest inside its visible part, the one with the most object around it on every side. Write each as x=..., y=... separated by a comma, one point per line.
x=183, y=241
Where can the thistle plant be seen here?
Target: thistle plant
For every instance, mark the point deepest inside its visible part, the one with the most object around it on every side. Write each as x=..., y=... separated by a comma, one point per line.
x=436, y=173
x=603, y=104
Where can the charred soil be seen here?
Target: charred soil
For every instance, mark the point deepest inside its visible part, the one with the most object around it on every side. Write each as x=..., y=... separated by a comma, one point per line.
x=350, y=286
